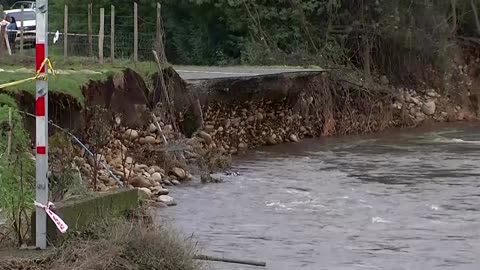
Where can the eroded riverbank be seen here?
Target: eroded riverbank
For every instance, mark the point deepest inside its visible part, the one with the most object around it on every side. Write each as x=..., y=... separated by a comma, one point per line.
x=397, y=200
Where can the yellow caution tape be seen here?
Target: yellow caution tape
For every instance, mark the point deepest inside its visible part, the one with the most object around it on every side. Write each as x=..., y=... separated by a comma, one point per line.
x=38, y=74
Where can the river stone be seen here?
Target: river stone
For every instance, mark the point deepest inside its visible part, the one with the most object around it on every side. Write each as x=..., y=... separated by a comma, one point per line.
x=179, y=173
x=140, y=181
x=159, y=190
x=151, y=170
x=429, y=108
x=272, y=140
x=152, y=128
x=432, y=94
x=204, y=135
x=209, y=128
x=157, y=169
x=175, y=182
x=131, y=134
x=157, y=177
x=166, y=200
x=415, y=100
x=167, y=182
x=242, y=145
x=144, y=193
x=149, y=140
x=413, y=111
x=159, y=205
x=129, y=160
x=294, y=138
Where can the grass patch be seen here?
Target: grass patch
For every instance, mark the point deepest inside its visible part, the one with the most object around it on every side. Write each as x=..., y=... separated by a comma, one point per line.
x=74, y=72
x=69, y=84
x=122, y=244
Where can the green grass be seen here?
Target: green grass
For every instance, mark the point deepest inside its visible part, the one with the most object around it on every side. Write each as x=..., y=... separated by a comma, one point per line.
x=69, y=84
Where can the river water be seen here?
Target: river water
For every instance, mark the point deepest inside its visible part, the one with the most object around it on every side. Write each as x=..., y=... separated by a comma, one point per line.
x=405, y=199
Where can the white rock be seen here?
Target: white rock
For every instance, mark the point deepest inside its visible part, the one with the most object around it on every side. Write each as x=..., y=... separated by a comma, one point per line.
x=149, y=139
x=157, y=177
x=152, y=128
x=294, y=138
x=242, y=145
x=118, y=120
x=166, y=200
x=432, y=94
x=129, y=160
x=175, y=182
x=204, y=135
x=429, y=108
x=131, y=134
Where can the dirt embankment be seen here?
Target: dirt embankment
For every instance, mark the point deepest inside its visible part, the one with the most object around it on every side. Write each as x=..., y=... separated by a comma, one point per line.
x=213, y=119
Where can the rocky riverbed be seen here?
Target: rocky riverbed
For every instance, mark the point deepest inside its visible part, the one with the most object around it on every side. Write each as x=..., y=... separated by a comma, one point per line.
x=140, y=158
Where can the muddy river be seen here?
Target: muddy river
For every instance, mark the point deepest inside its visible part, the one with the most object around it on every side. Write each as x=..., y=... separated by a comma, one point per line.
x=405, y=199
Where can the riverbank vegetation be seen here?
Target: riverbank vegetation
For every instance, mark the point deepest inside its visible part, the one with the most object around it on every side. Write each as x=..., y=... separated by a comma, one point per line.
x=115, y=243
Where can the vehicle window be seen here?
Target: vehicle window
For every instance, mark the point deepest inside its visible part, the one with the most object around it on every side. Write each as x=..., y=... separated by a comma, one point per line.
x=27, y=15
x=18, y=5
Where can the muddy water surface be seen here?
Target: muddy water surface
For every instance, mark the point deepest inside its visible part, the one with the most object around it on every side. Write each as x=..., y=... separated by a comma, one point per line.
x=399, y=200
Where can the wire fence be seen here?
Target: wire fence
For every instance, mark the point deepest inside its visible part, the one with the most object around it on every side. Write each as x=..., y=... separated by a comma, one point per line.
x=83, y=36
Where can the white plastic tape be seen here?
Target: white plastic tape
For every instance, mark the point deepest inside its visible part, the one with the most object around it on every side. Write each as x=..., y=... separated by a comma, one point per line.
x=62, y=226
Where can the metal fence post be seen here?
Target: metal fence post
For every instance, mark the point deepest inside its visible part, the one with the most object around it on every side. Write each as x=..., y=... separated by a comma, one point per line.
x=41, y=109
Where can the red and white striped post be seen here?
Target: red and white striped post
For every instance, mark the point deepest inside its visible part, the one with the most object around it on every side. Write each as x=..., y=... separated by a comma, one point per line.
x=41, y=108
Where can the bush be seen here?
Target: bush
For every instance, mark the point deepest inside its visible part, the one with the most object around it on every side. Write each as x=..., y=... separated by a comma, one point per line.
x=17, y=171
x=127, y=245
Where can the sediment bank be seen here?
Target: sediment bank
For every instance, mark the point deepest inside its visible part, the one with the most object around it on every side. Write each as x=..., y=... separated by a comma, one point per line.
x=214, y=119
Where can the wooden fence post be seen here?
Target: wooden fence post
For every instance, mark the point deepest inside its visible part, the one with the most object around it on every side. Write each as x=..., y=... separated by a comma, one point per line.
x=65, y=33
x=135, y=32
x=112, y=33
x=90, y=39
x=101, y=35
x=22, y=39
x=159, y=36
